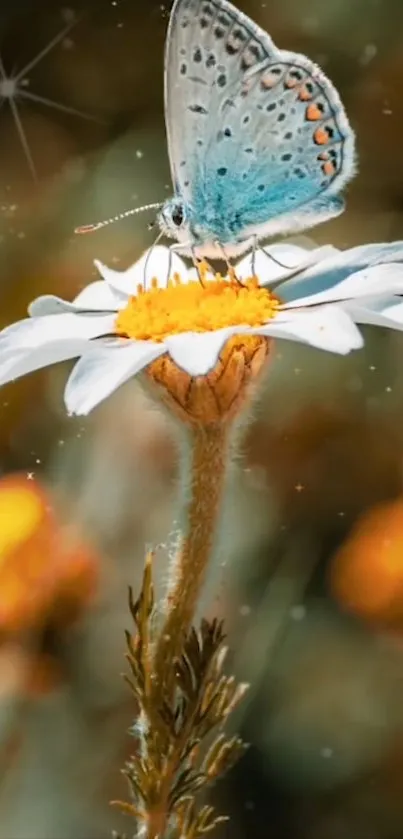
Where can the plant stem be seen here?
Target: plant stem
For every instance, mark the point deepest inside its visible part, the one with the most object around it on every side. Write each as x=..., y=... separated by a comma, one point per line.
x=208, y=453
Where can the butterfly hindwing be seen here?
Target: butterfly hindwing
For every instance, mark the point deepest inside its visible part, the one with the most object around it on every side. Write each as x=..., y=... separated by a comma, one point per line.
x=258, y=138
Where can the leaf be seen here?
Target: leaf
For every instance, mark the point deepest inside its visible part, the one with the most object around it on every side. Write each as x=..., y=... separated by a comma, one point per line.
x=141, y=609
x=238, y=694
x=131, y=643
x=185, y=676
x=146, y=600
x=191, y=745
x=221, y=758
x=136, y=668
x=128, y=809
x=189, y=782
x=212, y=753
x=132, y=685
x=207, y=821
x=167, y=716
x=135, y=784
x=197, y=824
x=181, y=781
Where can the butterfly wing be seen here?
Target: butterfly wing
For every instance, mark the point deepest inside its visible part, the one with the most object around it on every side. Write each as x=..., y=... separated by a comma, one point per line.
x=258, y=139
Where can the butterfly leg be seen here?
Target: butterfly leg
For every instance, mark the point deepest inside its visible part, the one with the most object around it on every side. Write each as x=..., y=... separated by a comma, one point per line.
x=230, y=268
x=178, y=246
x=293, y=271
x=147, y=259
x=169, y=267
x=276, y=261
x=254, y=249
x=197, y=262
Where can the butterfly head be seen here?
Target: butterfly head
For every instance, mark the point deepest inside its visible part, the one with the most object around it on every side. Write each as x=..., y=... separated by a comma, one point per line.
x=173, y=219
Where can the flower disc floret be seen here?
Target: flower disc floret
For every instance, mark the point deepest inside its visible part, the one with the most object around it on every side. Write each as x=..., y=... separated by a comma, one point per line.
x=195, y=306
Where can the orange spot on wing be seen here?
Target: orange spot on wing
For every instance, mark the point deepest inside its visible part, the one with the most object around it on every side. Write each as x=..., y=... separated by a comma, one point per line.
x=268, y=81
x=304, y=94
x=290, y=83
x=329, y=168
x=321, y=137
x=313, y=113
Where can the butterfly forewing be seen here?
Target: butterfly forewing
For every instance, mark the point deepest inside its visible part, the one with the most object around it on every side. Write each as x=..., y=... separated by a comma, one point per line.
x=257, y=136
x=199, y=64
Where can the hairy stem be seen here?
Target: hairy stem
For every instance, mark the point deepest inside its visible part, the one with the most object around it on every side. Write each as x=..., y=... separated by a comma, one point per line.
x=209, y=451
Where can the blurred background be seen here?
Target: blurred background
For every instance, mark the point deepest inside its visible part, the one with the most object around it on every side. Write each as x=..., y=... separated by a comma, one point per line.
x=309, y=575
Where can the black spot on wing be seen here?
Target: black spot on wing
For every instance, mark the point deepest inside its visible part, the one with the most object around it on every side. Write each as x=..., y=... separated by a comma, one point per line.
x=198, y=109
x=198, y=80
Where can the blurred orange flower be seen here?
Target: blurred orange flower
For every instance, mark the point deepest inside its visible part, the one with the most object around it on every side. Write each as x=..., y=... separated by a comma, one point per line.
x=47, y=572
x=367, y=572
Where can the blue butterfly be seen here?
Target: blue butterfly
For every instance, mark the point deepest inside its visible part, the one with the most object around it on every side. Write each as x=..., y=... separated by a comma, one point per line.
x=259, y=142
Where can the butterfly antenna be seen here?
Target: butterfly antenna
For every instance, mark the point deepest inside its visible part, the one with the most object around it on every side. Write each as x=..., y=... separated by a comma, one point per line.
x=90, y=228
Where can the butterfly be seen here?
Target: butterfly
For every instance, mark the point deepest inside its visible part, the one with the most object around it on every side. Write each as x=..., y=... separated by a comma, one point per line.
x=259, y=142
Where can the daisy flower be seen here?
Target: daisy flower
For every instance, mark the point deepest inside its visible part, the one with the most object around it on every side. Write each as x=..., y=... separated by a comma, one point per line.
x=203, y=341
x=204, y=338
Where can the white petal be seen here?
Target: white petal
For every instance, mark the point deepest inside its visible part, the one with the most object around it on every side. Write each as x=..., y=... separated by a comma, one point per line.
x=378, y=279
x=380, y=311
x=290, y=257
x=36, y=332
x=14, y=364
x=49, y=304
x=96, y=297
x=332, y=279
x=196, y=352
x=100, y=296
x=328, y=328
x=103, y=369
x=155, y=263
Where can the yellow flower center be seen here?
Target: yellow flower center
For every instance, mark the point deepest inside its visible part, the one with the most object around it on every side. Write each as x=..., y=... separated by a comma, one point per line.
x=197, y=306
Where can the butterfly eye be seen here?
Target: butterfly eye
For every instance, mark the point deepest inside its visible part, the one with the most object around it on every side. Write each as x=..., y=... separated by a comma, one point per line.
x=178, y=215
